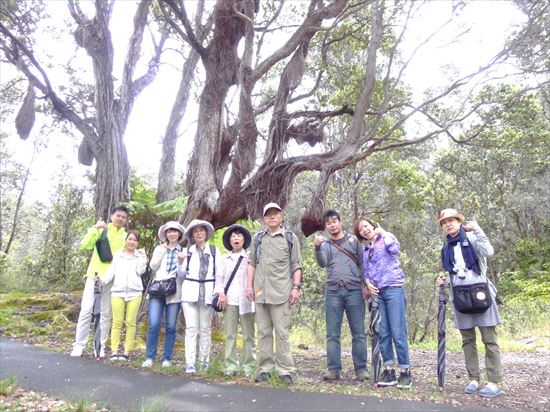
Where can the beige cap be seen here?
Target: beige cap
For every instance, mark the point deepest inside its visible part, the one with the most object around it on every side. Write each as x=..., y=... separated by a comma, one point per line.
x=271, y=205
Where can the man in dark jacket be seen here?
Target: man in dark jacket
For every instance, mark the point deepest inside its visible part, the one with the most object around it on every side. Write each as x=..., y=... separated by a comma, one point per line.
x=342, y=256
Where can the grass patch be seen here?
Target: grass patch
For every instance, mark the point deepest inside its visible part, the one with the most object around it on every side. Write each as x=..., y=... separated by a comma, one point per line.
x=7, y=386
x=83, y=404
x=155, y=404
x=303, y=335
x=215, y=368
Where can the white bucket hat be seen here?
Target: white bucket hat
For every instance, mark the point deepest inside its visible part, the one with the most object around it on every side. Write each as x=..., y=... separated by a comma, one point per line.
x=196, y=223
x=170, y=225
x=447, y=213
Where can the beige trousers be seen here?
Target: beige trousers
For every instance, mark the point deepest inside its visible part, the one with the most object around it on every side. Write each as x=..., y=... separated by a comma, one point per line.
x=274, y=319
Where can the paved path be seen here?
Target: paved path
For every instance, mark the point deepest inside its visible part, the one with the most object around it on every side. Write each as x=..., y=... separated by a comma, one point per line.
x=127, y=389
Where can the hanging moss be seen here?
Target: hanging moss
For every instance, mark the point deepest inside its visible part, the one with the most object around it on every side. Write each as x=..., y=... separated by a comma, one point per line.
x=26, y=115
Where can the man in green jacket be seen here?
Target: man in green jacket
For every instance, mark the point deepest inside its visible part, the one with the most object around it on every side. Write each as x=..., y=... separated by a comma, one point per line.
x=117, y=238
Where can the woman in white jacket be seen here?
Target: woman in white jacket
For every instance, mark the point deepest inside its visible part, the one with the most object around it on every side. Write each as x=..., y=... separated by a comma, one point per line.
x=163, y=263
x=125, y=272
x=203, y=261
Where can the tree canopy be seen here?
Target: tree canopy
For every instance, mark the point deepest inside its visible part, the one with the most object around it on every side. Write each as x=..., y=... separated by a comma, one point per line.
x=270, y=78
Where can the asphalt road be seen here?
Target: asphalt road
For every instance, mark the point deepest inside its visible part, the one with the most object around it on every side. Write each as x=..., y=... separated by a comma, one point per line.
x=126, y=389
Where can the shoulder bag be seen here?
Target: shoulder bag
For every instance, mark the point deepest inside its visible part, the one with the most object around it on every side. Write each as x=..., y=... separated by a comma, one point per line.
x=471, y=298
x=104, y=247
x=215, y=304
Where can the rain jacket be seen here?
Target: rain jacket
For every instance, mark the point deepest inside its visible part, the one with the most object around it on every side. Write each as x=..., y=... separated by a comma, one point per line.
x=117, y=240
x=125, y=273
x=382, y=267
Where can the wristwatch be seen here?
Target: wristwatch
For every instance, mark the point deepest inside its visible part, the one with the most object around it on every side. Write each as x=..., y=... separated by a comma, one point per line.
x=297, y=286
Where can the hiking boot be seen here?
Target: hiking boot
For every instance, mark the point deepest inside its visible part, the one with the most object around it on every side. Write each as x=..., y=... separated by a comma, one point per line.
x=190, y=369
x=147, y=364
x=262, y=377
x=166, y=363
x=471, y=388
x=286, y=379
x=114, y=357
x=490, y=391
x=362, y=375
x=124, y=357
x=331, y=376
x=388, y=378
x=76, y=352
x=404, y=381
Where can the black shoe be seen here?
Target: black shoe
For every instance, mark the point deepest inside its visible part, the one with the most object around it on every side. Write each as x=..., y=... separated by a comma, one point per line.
x=286, y=379
x=262, y=377
x=388, y=378
x=404, y=381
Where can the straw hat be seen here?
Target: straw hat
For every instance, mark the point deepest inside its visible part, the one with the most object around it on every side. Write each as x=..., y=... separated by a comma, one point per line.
x=447, y=213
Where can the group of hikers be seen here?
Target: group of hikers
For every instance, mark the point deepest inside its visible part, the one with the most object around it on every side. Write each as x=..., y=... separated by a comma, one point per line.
x=259, y=279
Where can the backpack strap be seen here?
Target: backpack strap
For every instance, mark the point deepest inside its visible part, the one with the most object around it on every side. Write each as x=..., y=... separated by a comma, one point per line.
x=258, y=245
x=213, y=253
x=189, y=254
x=344, y=250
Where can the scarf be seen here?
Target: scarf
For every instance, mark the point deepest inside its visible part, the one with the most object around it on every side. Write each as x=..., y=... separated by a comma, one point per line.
x=468, y=253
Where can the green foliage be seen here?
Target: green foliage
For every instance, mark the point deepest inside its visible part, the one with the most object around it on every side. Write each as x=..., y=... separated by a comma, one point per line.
x=46, y=254
x=524, y=318
x=7, y=386
x=146, y=216
x=528, y=277
x=309, y=312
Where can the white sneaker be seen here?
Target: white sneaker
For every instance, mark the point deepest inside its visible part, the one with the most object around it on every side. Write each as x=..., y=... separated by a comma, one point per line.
x=166, y=363
x=190, y=369
x=76, y=352
x=147, y=364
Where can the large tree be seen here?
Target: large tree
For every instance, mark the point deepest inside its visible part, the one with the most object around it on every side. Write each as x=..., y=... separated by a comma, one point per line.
x=225, y=181
x=100, y=110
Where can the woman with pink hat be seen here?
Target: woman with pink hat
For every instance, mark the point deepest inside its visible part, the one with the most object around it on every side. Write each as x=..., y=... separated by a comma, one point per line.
x=164, y=263
x=464, y=257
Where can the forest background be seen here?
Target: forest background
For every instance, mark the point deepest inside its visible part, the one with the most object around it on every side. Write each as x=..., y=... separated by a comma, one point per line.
x=322, y=117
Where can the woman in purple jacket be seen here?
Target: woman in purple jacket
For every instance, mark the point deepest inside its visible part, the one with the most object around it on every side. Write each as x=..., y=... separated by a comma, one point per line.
x=385, y=279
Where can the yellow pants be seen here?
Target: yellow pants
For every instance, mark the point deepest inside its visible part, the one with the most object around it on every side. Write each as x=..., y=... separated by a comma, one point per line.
x=120, y=306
